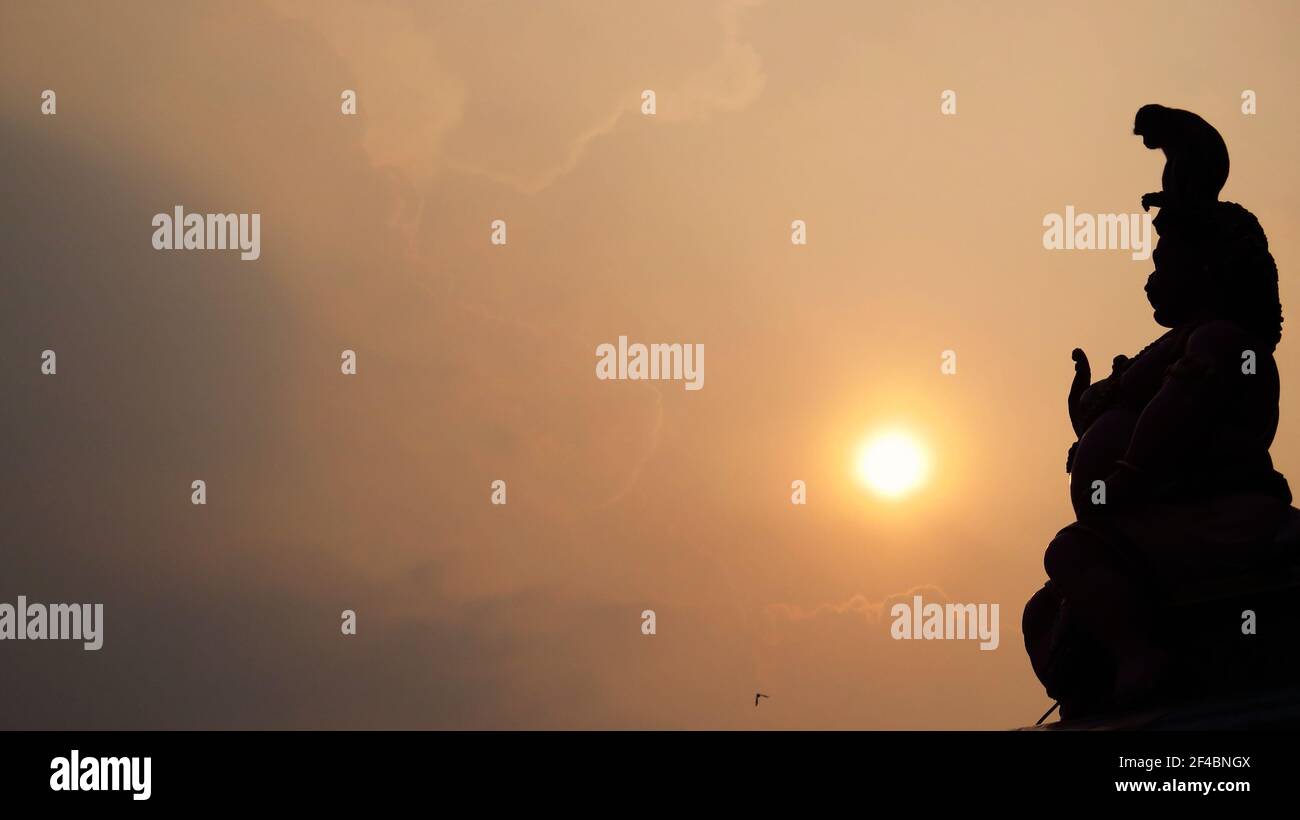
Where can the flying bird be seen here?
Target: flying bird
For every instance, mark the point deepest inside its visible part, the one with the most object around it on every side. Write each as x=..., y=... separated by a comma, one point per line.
x=758, y=695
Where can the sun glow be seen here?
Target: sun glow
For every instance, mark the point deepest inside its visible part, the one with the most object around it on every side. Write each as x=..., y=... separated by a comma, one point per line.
x=892, y=464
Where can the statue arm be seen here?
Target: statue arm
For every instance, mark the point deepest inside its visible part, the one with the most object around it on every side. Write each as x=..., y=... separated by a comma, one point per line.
x=1179, y=421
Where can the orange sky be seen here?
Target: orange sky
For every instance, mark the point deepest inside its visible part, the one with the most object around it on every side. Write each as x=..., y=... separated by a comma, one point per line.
x=476, y=362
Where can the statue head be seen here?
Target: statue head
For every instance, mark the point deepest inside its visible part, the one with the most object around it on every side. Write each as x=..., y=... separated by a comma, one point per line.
x=1212, y=262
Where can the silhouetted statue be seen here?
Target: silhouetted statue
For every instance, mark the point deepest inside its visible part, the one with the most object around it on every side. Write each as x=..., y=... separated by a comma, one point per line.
x=1171, y=480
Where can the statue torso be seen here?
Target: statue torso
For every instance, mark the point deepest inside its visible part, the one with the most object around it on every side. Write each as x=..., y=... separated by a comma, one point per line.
x=1241, y=415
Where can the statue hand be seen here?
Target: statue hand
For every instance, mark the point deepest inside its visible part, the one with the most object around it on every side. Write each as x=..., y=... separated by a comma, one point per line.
x=1082, y=380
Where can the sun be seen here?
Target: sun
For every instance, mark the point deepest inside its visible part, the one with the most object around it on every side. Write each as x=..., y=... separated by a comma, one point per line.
x=892, y=464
